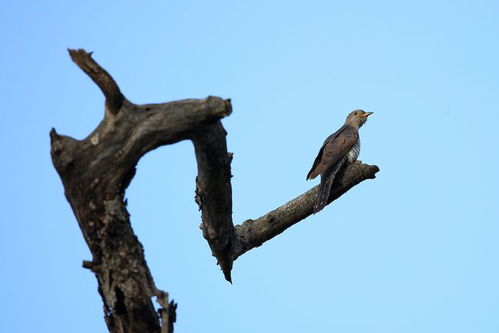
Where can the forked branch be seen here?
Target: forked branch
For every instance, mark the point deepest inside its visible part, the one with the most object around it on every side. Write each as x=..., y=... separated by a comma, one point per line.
x=96, y=171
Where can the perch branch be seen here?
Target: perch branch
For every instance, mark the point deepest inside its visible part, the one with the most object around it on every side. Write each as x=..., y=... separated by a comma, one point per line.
x=253, y=233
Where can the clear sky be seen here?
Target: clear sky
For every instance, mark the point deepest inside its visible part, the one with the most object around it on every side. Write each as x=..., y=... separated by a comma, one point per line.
x=414, y=250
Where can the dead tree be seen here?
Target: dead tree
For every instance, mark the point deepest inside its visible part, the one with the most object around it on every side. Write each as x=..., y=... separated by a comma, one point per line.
x=96, y=171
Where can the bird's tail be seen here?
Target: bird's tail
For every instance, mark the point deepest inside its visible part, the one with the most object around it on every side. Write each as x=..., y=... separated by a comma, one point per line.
x=327, y=179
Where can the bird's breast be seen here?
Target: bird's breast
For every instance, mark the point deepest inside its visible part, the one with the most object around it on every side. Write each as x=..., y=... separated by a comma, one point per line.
x=353, y=153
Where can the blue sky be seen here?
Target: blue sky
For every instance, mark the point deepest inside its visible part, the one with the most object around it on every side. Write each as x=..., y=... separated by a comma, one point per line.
x=414, y=250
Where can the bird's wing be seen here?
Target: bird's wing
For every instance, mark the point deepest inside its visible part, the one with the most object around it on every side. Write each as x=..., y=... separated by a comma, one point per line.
x=334, y=149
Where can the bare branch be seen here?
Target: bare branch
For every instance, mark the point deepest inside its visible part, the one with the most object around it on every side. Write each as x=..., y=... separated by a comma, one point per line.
x=114, y=97
x=253, y=233
x=214, y=192
x=95, y=173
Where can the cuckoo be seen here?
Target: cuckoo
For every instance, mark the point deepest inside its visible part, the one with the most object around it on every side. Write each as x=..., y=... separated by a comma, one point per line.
x=343, y=146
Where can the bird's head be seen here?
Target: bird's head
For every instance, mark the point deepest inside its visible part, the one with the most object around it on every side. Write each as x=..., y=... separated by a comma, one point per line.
x=357, y=118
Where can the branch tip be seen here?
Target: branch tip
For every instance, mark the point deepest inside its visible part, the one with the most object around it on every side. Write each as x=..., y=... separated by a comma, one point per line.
x=87, y=264
x=228, y=105
x=228, y=276
x=114, y=97
x=53, y=135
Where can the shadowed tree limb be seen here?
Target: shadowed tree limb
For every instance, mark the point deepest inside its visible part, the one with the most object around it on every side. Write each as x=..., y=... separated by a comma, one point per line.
x=214, y=192
x=96, y=171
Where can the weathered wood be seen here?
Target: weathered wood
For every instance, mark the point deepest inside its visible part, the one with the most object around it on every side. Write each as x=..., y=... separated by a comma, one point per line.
x=96, y=171
x=114, y=97
x=214, y=193
x=253, y=233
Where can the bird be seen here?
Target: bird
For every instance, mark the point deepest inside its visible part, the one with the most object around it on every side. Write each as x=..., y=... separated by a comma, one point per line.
x=343, y=146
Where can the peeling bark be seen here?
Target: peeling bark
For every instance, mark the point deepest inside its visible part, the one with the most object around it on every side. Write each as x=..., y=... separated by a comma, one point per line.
x=96, y=171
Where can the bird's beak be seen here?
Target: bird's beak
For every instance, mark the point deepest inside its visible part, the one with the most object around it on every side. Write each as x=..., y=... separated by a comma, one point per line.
x=367, y=114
